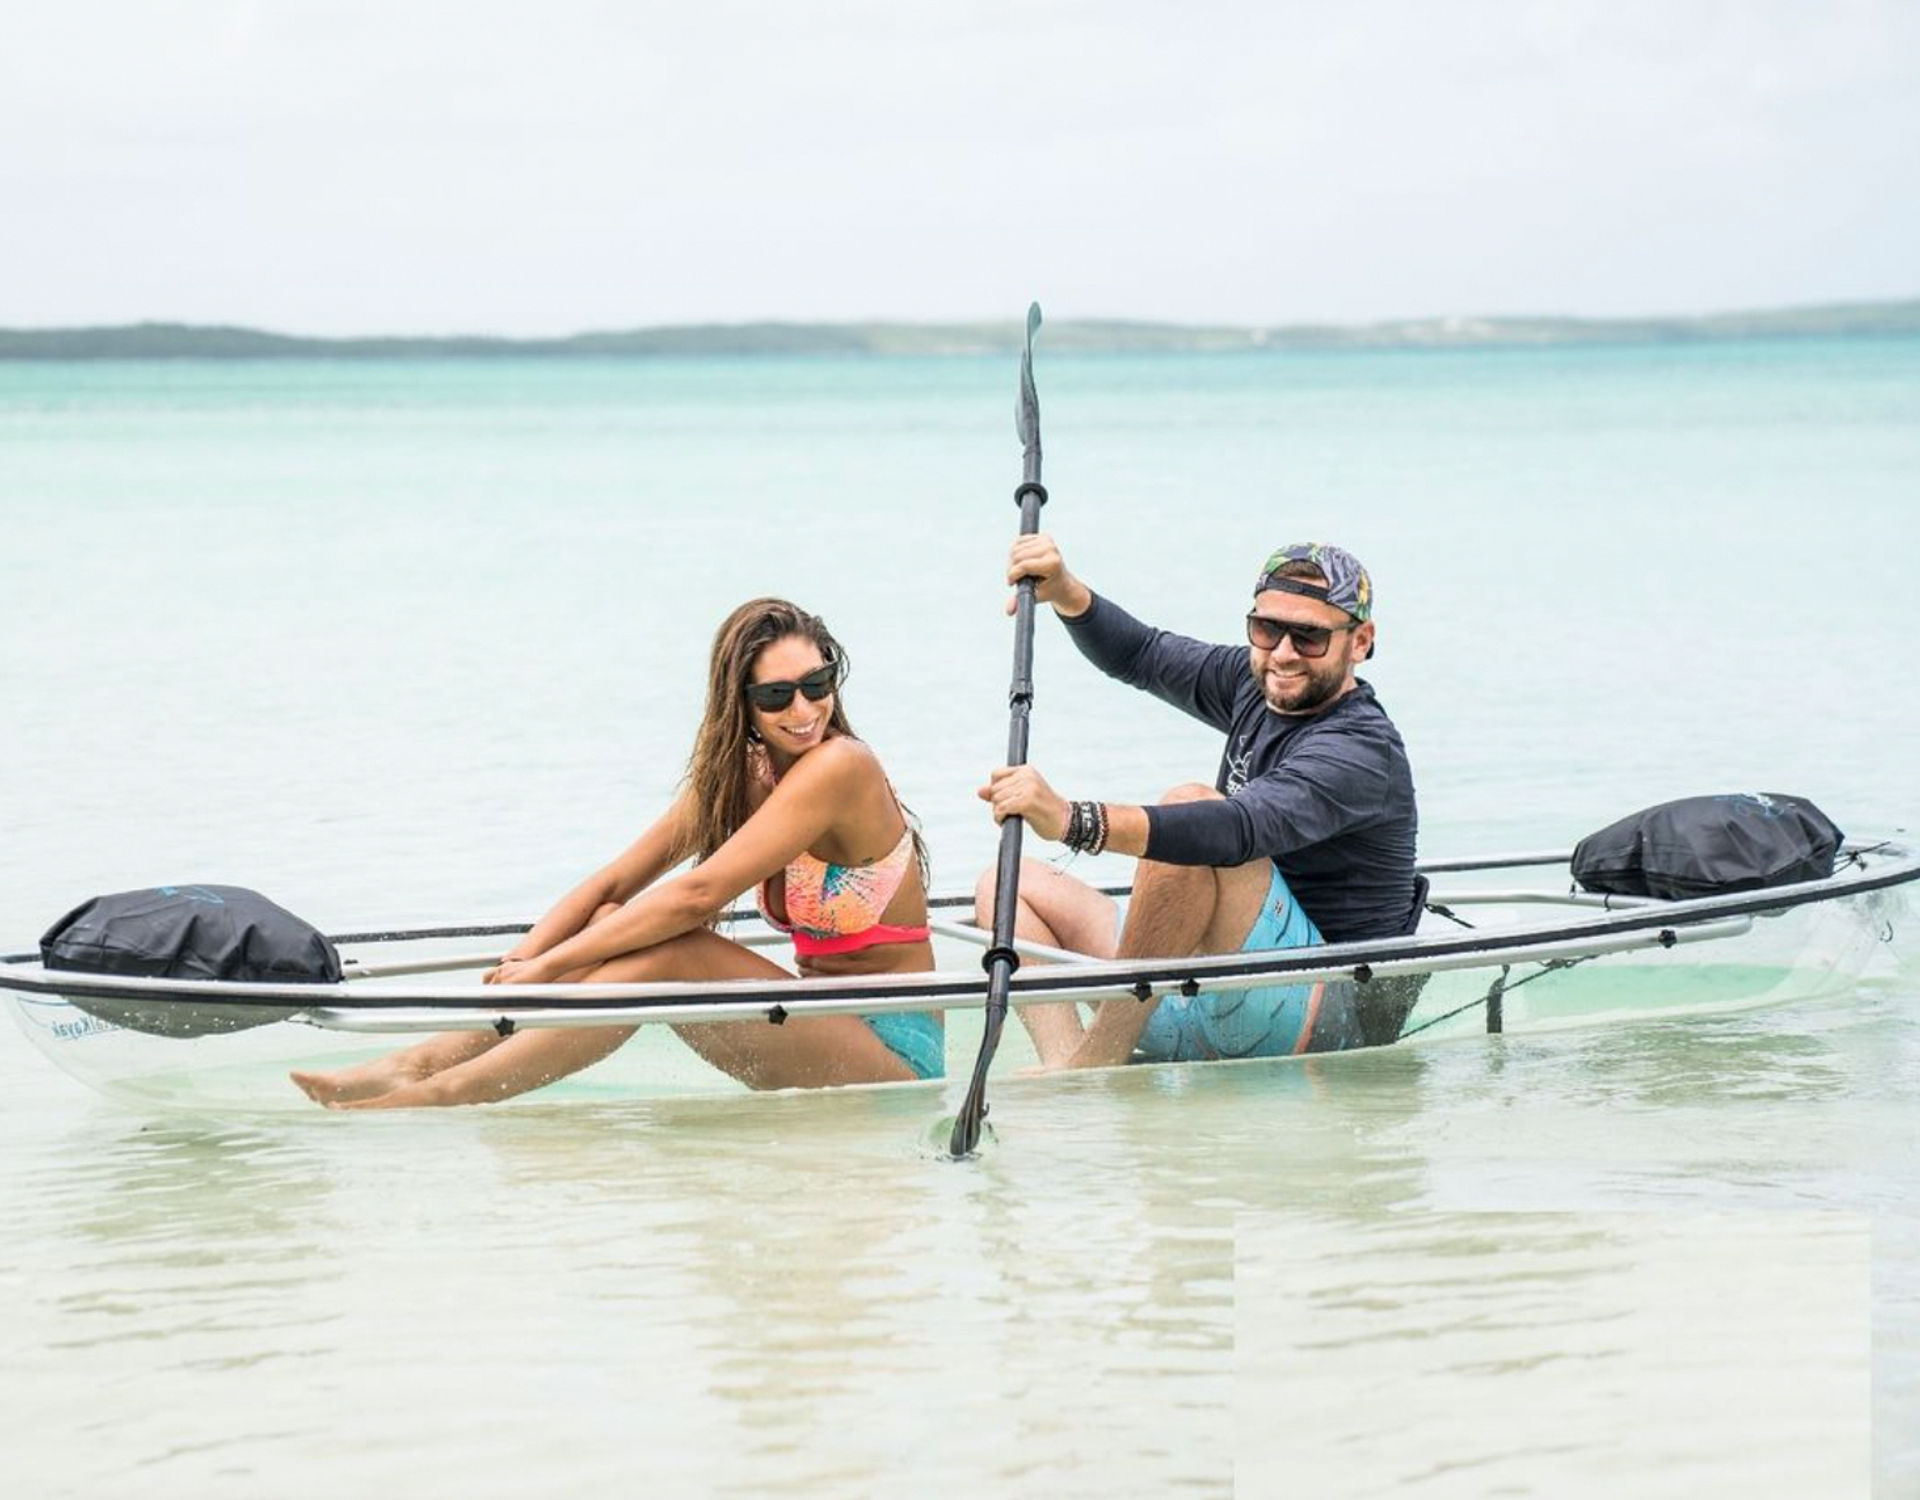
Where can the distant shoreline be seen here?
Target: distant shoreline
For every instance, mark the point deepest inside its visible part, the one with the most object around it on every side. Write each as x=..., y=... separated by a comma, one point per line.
x=882, y=339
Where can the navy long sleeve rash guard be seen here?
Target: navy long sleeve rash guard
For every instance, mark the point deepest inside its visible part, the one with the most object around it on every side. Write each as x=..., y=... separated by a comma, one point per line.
x=1328, y=797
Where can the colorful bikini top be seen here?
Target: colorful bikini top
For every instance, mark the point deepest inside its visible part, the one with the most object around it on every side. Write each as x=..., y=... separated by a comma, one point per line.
x=836, y=908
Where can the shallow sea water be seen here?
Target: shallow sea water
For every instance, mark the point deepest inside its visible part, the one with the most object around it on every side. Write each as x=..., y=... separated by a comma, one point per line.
x=419, y=643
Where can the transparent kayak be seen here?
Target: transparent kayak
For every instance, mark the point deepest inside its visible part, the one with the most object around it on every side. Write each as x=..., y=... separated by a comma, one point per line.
x=1506, y=944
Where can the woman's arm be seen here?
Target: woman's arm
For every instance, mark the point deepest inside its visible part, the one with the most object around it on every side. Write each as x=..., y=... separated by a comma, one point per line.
x=665, y=844
x=801, y=810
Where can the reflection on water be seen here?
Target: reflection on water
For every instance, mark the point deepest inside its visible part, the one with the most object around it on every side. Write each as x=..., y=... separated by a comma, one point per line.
x=175, y=1266
x=1499, y=1353
x=734, y=1294
x=727, y=1283
x=1661, y=1065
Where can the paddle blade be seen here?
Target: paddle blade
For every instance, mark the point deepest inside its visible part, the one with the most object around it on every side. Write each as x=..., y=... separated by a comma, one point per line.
x=939, y=1141
x=1026, y=411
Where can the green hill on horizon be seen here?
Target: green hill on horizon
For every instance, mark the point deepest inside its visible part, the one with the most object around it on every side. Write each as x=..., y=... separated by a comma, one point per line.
x=1115, y=336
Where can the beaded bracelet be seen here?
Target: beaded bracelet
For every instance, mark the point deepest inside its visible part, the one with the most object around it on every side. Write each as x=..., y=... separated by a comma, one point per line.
x=1086, y=827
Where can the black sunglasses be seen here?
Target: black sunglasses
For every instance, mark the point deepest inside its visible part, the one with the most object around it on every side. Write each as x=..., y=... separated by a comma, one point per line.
x=1308, y=640
x=774, y=696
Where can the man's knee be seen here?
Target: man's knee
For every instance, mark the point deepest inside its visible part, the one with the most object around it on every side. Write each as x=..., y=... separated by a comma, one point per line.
x=1035, y=876
x=984, y=890
x=1190, y=791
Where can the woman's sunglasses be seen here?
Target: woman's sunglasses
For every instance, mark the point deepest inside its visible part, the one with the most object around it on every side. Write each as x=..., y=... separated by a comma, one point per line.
x=1308, y=640
x=774, y=696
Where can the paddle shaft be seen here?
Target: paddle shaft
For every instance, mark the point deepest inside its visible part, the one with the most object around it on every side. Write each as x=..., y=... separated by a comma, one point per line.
x=1001, y=960
x=1020, y=711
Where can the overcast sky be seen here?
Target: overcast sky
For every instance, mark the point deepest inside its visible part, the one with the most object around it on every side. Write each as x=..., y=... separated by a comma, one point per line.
x=341, y=166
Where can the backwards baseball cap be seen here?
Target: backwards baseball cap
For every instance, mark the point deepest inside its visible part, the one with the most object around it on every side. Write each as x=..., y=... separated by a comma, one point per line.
x=1347, y=586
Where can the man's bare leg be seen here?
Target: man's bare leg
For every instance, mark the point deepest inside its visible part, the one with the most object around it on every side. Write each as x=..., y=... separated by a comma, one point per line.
x=1176, y=910
x=1181, y=909
x=1055, y=909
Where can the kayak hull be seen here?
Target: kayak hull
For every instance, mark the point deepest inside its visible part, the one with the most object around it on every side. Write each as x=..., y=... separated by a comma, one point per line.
x=1489, y=956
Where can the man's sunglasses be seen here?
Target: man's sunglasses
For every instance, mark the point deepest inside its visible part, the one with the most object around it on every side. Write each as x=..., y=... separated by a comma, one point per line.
x=1308, y=640
x=774, y=696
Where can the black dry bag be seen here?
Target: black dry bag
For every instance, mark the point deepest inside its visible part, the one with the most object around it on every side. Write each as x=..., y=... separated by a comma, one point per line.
x=1710, y=846
x=188, y=932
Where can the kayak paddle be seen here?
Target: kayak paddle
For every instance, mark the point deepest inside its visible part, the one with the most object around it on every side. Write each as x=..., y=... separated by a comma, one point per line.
x=1000, y=960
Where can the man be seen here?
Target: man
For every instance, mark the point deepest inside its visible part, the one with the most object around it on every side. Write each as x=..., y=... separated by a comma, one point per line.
x=1307, y=835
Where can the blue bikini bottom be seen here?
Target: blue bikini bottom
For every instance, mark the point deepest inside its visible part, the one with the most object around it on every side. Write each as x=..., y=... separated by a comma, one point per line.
x=914, y=1037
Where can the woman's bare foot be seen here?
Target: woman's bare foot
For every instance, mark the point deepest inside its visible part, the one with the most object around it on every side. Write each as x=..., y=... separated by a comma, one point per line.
x=368, y=1080
x=410, y=1095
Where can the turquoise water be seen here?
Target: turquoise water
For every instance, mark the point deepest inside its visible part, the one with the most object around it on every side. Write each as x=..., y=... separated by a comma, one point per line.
x=420, y=642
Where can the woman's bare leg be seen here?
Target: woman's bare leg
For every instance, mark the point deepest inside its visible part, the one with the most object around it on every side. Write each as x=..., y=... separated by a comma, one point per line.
x=411, y=1064
x=383, y=1074
x=802, y=1053
x=526, y=1060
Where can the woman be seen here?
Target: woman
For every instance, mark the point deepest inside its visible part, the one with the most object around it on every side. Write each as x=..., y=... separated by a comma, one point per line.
x=779, y=796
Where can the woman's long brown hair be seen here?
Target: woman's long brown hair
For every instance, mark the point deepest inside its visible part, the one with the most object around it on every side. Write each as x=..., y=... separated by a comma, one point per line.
x=720, y=770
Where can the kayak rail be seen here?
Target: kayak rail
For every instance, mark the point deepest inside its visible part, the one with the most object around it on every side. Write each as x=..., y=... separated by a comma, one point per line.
x=1592, y=925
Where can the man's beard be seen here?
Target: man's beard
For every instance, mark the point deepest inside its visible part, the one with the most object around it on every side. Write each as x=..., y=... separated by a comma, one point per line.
x=1308, y=693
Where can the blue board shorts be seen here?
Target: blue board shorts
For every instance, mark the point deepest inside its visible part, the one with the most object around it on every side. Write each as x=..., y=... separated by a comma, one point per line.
x=915, y=1038
x=1274, y=1021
